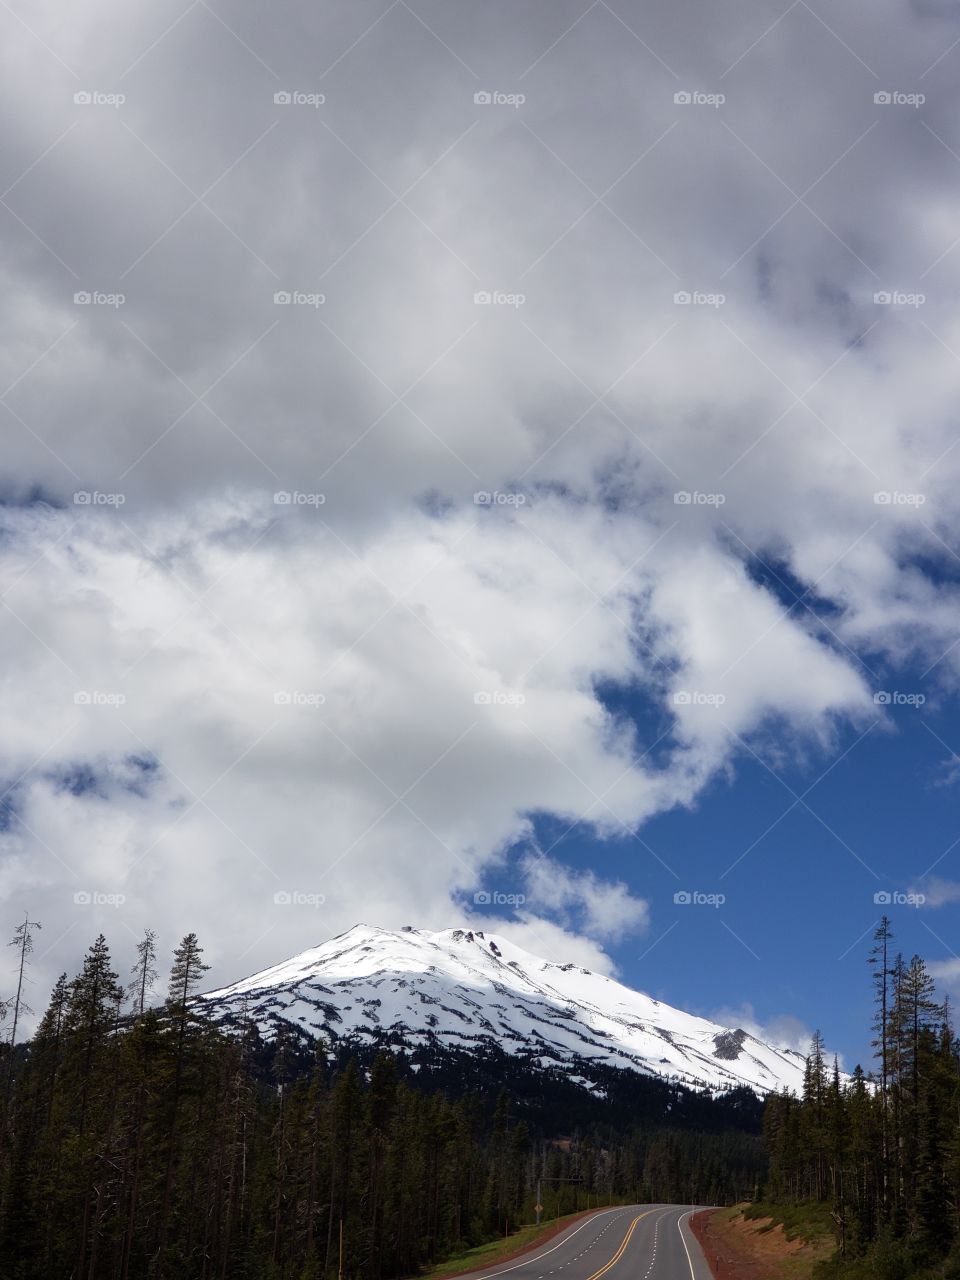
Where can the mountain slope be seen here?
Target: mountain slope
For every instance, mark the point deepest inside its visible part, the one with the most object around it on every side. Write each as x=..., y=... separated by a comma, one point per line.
x=464, y=988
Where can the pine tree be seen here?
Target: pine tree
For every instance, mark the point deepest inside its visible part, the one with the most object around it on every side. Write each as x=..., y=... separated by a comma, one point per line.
x=185, y=975
x=144, y=972
x=23, y=940
x=880, y=962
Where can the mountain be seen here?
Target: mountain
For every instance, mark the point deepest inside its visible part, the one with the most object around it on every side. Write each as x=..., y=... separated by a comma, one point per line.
x=465, y=989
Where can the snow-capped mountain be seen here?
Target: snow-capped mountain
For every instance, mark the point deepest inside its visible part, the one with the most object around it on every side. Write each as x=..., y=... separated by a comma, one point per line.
x=465, y=989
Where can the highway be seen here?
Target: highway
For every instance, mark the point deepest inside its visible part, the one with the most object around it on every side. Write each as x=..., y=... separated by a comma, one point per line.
x=639, y=1242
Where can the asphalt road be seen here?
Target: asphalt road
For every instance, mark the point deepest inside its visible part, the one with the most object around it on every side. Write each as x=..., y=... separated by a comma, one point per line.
x=639, y=1242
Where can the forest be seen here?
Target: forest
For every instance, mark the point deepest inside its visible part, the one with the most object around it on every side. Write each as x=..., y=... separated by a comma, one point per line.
x=138, y=1139
x=882, y=1151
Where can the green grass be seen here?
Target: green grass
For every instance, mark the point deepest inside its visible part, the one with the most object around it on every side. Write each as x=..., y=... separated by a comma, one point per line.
x=810, y=1222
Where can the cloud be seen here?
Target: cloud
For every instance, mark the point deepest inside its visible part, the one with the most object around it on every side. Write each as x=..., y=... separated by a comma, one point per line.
x=603, y=909
x=937, y=892
x=234, y=703
x=639, y=459
x=949, y=773
x=946, y=973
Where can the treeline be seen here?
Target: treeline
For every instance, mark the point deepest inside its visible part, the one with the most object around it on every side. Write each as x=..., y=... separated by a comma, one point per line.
x=137, y=1139
x=883, y=1151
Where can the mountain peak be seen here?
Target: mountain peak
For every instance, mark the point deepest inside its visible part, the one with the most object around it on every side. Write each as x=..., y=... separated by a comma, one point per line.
x=466, y=987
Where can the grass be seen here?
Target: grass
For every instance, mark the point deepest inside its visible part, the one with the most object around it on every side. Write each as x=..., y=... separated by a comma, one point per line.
x=810, y=1222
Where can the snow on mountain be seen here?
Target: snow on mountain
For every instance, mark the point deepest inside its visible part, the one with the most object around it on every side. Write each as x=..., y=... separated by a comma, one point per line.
x=464, y=988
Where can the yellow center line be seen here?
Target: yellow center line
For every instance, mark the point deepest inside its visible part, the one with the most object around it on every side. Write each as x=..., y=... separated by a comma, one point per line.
x=622, y=1250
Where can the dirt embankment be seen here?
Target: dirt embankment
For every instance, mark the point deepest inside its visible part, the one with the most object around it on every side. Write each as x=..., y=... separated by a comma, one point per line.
x=739, y=1248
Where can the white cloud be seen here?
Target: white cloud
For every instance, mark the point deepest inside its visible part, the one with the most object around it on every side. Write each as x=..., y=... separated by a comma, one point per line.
x=267, y=707
x=937, y=892
x=946, y=973
x=603, y=909
x=790, y=408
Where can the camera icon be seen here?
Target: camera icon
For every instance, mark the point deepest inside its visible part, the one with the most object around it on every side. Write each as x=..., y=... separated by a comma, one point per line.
x=883, y=898
x=282, y=898
x=82, y=498
x=82, y=98
x=482, y=99
x=883, y=498
x=882, y=99
x=682, y=898
x=81, y=698
x=482, y=897
x=682, y=298
x=81, y=299
x=282, y=99
x=683, y=98
x=482, y=698
x=482, y=498
x=482, y=298
x=281, y=298
x=682, y=499
x=882, y=698
x=883, y=297
x=282, y=498
x=82, y=898
x=682, y=698
x=282, y=698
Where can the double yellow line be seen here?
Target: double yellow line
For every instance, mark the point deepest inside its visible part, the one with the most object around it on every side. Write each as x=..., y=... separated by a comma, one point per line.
x=622, y=1250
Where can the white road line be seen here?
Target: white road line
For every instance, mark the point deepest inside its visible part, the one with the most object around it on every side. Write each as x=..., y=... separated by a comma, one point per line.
x=684, y=1243
x=524, y=1262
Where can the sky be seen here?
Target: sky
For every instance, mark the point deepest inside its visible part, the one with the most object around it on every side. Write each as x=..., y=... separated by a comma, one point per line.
x=485, y=463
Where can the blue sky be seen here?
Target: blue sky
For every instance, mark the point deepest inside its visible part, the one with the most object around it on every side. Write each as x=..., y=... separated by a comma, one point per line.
x=879, y=814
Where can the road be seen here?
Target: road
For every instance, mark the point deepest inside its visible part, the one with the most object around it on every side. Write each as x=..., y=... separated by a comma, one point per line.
x=639, y=1242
